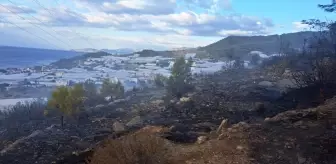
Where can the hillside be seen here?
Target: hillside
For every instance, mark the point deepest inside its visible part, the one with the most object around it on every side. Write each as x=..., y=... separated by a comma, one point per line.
x=26, y=57
x=73, y=62
x=242, y=45
x=230, y=47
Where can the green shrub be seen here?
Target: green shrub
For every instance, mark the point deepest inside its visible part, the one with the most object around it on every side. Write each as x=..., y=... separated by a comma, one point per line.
x=67, y=100
x=113, y=89
x=180, y=80
x=91, y=94
x=160, y=80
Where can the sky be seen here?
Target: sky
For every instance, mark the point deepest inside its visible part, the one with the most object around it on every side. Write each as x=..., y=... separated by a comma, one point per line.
x=147, y=24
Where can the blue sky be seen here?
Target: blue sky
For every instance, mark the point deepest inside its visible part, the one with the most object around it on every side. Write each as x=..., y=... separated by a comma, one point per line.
x=153, y=24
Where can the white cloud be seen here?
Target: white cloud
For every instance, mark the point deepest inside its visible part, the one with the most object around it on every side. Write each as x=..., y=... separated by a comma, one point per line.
x=162, y=19
x=9, y=9
x=212, y=6
x=132, y=6
x=299, y=26
x=185, y=22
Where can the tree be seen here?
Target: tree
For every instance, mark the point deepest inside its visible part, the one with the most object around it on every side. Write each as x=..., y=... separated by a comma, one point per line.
x=180, y=80
x=320, y=54
x=112, y=89
x=238, y=63
x=160, y=80
x=67, y=101
x=91, y=93
x=255, y=59
x=90, y=88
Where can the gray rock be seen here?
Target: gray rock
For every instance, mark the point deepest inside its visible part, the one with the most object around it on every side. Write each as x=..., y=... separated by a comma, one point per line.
x=111, y=103
x=202, y=139
x=157, y=102
x=136, y=121
x=266, y=84
x=285, y=83
x=99, y=106
x=120, y=110
x=118, y=127
x=239, y=147
x=223, y=126
x=301, y=159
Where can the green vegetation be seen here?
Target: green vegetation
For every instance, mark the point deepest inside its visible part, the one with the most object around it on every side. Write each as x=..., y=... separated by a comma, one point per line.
x=179, y=82
x=241, y=46
x=112, y=89
x=255, y=59
x=67, y=100
x=160, y=80
x=91, y=93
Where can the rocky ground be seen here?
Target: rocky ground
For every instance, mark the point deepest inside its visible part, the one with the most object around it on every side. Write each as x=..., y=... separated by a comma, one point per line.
x=260, y=125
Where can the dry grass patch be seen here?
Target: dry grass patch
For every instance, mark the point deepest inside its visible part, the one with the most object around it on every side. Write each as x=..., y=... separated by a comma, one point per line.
x=133, y=149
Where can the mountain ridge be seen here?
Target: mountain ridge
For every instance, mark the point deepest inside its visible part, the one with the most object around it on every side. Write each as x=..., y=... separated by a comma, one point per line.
x=238, y=46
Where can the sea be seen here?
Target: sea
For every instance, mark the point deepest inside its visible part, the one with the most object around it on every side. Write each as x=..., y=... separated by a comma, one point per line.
x=18, y=57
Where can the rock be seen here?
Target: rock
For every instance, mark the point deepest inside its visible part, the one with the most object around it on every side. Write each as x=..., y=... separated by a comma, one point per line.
x=202, y=139
x=241, y=125
x=99, y=106
x=111, y=103
x=120, y=110
x=174, y=101
x=191, y=94
x=301, y=160
x=135, y=122
x=118, y=127
x=157, y=102
x=287, y=73
x=185, y=99
x=288, y=145
x=119, y=101
x=266, y=84
x=224, y=124
x=239, y=147
x=285, y=83
x=222, y=136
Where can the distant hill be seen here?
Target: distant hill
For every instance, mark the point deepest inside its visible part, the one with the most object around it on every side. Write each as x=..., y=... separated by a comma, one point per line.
x=239, y=46
x=74, y=61
x=120, y=51
x=234, y=46
x=20, y=57
x=242, y=45
x=172, y=53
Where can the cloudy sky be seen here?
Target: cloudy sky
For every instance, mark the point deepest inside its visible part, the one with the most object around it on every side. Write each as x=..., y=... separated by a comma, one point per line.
x=154, y=24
